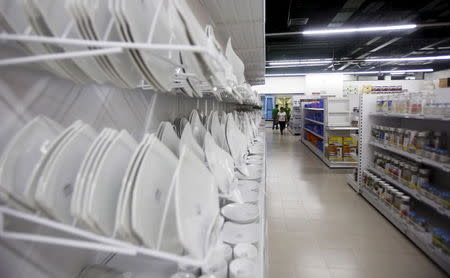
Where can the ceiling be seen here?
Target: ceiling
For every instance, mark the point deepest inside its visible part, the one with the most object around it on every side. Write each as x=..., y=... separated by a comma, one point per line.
x=299, y=15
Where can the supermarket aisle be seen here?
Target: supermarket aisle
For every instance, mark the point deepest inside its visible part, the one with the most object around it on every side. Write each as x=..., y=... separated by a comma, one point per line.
x=319, y=227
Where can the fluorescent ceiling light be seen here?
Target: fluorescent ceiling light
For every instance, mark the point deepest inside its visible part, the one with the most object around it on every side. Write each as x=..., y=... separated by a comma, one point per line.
x=297, y=66
x=428, y=58
x=300, y=62
x=359, y=30
x=352, y=72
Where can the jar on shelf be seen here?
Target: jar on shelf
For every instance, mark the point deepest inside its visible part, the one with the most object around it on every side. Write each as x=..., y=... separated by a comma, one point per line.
x=415, y=104
x=387, y=136
x=399, y=136
x=423, y=177
x=404, y=205
x=392, y=136
x=398, y=199
x=422, y=140
x=403, y=103
x=375, y=132
x=414, y=176
x=406, y=175
x=379, y=104
x=406, y=139
x=389, y=193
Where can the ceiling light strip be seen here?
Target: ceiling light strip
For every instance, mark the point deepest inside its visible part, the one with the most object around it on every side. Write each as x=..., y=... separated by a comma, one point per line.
x=352, y=73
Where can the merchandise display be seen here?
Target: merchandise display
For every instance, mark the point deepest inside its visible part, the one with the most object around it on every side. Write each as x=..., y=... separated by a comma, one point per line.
x=404, y=168
x=427, y=104
x=327, y=129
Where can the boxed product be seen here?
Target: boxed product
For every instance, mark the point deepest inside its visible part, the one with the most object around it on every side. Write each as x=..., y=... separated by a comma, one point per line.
x=334, y=153
x=335, y=141
x=444, y=82
x=347, y=153
x=349, y=141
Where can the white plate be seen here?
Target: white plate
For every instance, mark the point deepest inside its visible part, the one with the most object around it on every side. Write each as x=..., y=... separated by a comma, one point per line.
x=235, y=139
x=93, y=165
x=218, y=132
x=66, y=137
x=187, y=139
x=233, y=233
x=169, y=138
x=22, y=155
x=33, y=180
x=245, y=250
x=123, y=214
x=197, y=36
x=148, y=27
x=249, y=196
x=220, y=163
x=151, y=192
x=106, y=183
x=198, y=130
x=240, y=213
x=242, y=268
x=196, y=204
x=78, y=193
x=62, y=174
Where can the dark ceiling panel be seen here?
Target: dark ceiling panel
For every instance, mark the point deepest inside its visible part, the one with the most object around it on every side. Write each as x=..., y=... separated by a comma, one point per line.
x=309, y=14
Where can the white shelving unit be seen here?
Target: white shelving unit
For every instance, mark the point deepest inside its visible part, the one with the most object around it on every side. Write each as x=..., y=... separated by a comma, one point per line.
x=437, y=214
x=336, y=122
x=35, y=246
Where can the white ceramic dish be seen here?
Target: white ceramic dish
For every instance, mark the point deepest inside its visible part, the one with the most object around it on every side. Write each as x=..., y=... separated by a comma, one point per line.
x=242, y=268
x=23, y=153
x=151, y=192
x=198, y=130
x=233, y=233
x=76, y=203
x=85, y=219
x=220, y=164
x=169, y=137
x=123, y=228
x=62, y=174
x=245, y=250
x=196, y=204
x=187, y=139
x=240, y=213
x=106, y=182
x=33, y=180
x=61, y=143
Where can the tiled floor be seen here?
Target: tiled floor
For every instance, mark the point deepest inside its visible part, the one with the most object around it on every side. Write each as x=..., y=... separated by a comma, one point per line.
x=319, y=227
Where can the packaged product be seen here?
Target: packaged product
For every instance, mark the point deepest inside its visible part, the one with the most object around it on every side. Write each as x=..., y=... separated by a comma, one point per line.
x=334, y=153
x=347, y=153
x=349, y=141
x=335, y=141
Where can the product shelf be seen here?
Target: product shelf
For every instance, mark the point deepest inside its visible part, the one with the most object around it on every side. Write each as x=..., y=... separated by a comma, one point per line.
x=412, y=116
x=342, y=128
x=352, y=182
x=316, y=134
x=331, y=164
x=420, y=239
x=423, y=160
x=317, y=122
x=314, y=109
x=438, y=208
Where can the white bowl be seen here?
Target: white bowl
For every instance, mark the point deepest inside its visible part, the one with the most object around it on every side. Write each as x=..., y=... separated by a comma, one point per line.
x=242, y=268
x=240, y=213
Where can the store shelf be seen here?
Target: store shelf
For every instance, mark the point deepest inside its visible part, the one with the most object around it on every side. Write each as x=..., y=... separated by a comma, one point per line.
x=423, y=160
x=383, y=209
x=412, y=116
x=314, y=109
x=438, y=208
x=316, y=134
x=354, y=156
x=317, y=122
x=420, y=239
x=342, y=128
x=331, y=164
x=338, y=112
x=352, y=182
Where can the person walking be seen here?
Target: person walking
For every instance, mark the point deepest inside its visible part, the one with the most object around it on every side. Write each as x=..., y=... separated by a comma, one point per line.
x=275, y=117
x=282, y=117
x=288, y=114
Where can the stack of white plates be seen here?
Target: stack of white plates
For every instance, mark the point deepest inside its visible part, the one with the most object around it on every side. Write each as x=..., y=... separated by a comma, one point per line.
x=240, y=213
x=233, y=233
x=59, y=170
x=22, y=154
